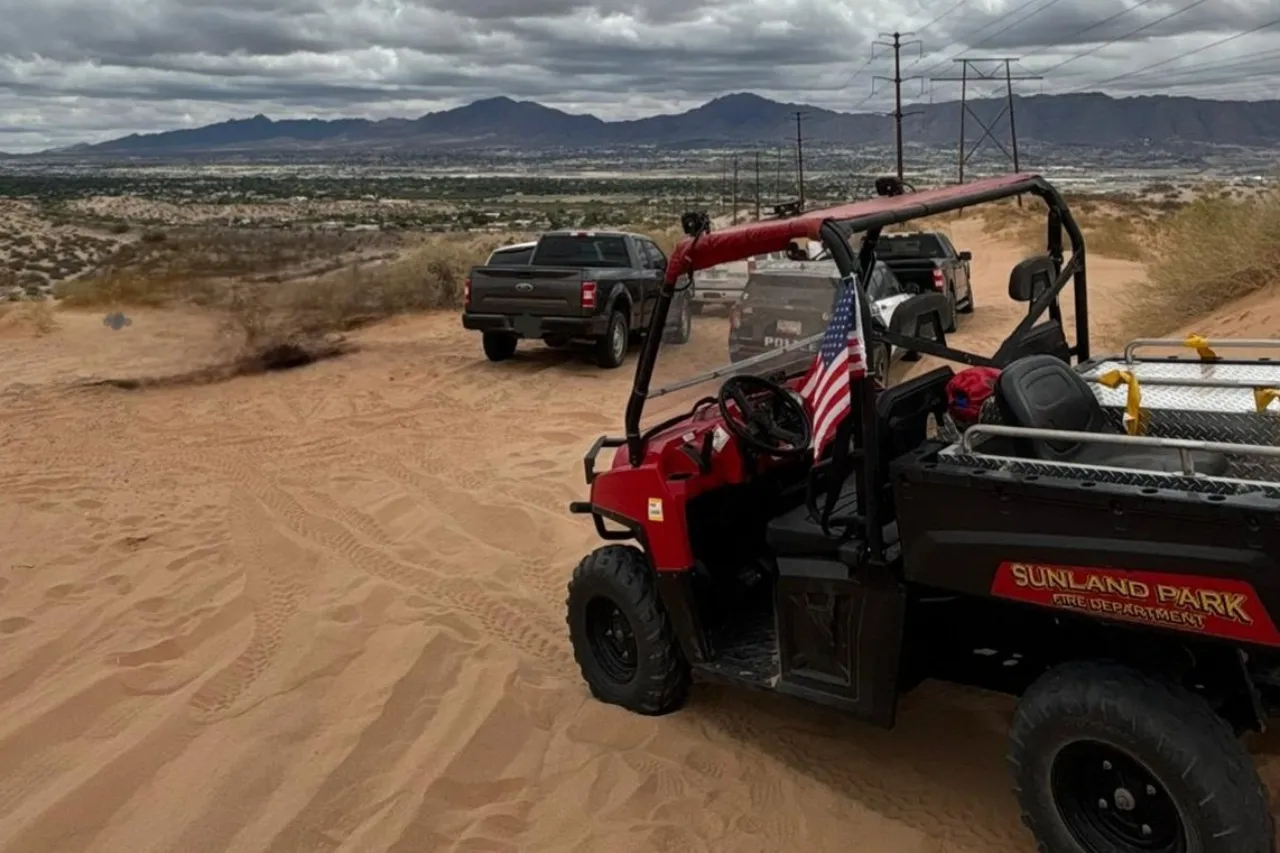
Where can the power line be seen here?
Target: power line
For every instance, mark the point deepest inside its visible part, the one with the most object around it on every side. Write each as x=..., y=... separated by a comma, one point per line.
x=943, y=15
x=1126, y=10
x=1236, y=62
x=996, y=34
x=1184, y=55
x=1133, y=32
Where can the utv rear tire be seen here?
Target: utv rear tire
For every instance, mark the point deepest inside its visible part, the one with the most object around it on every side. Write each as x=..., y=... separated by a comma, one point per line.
x=638, y=666
x=499, y=347
x=1109, y=760
x=611, y=350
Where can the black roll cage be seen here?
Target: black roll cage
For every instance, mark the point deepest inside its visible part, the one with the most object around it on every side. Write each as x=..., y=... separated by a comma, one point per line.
x=835, y=235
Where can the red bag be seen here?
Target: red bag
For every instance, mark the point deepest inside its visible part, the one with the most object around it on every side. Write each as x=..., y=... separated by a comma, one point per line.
x=968, y=390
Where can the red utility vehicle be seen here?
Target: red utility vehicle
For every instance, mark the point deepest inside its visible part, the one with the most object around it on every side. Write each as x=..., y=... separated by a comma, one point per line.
x=1102, y=543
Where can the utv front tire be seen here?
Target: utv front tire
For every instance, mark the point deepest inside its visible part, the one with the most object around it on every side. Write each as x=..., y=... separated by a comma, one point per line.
x=499, y=347
x=611, y=350
x=621, y=635
x=1108, y=760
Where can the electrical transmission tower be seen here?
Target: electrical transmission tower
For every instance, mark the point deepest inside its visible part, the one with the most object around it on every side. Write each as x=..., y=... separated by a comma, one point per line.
x=980, y=70
x=897, y=44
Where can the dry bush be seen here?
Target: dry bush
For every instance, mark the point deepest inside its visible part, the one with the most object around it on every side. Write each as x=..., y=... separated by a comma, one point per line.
x=1211, y=252
x=282, y=322
x=36, y=315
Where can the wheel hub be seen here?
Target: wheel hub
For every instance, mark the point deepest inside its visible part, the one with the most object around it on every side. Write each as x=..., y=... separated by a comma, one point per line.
x=619, y=340
x=612, y=640
x=1111, y=801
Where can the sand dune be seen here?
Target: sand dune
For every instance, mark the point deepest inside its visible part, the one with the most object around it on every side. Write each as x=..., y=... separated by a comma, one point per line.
x=323, y=611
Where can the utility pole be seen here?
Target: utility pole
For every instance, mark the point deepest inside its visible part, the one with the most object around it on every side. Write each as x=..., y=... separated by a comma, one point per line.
x=897, y=44
x=982, y=70
x=777, y=175
x=724, y=182
x=757, y=185
x=800, y=157
x=735, y=189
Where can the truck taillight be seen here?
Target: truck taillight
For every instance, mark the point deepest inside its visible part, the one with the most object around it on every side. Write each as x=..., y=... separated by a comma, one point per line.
x=938, y=281
x=466, y=293
x=588, y=294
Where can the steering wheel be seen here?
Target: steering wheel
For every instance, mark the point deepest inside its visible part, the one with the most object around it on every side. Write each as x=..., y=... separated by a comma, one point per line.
x=776, y=426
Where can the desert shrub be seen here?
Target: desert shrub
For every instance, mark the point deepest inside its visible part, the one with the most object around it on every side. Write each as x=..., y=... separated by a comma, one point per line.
x=34, y=315
x=1210, y=252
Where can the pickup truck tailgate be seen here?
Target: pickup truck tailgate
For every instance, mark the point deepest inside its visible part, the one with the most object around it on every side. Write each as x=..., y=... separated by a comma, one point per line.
x=536, y=291
x=917, y=276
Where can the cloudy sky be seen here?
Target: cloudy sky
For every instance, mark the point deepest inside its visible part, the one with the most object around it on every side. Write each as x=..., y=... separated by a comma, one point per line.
x=88, y=70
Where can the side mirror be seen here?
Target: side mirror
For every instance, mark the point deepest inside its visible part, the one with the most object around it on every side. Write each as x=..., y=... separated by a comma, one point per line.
x=966, y=255
x=1030, y=278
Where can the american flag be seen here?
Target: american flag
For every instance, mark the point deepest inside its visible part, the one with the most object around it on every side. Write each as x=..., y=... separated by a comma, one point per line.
x=841, y=359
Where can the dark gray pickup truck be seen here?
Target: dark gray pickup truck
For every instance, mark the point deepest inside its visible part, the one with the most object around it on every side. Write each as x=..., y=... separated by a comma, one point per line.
x=927, y=261
x=597, y=287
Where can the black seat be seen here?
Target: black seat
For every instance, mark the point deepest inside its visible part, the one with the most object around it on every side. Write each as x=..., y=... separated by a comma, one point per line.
x=1043, y=392
x=797, y=533
x=903, y=411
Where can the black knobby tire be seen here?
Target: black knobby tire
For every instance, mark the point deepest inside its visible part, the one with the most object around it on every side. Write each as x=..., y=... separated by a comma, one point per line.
x=617, y=580
x=609, y=353
x=1108, y=760
x=953, y=314
x=499, y=347
x=683, y=328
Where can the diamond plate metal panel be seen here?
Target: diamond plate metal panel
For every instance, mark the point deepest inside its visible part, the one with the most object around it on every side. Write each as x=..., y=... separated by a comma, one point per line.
x=1154, y=397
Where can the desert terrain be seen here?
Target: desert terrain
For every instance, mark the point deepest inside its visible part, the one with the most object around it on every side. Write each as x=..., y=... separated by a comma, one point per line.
x=322, y=609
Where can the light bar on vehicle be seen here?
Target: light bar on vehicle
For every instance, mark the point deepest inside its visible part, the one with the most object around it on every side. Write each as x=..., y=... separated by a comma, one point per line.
x=588, y=294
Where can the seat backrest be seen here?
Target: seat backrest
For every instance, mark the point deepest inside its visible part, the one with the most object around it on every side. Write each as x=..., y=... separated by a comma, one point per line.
x=1043, y=392
x=903, y=410
x=1047, y=338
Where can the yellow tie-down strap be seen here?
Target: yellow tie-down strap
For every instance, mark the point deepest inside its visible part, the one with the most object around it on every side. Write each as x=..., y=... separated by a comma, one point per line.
x=1135, y=417
x=1263, y=397
x=1200, y=344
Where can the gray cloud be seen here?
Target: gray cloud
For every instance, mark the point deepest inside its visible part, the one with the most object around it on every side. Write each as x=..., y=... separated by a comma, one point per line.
x=72, y=72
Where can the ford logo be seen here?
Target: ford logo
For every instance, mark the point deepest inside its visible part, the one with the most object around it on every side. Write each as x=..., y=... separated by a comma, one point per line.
x=524, y=287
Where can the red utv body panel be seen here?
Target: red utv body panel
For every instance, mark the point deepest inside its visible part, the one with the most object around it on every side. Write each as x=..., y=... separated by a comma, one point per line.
x=652, y=497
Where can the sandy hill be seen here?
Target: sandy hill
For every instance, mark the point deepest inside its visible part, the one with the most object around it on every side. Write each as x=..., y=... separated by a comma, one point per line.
x=322, y=610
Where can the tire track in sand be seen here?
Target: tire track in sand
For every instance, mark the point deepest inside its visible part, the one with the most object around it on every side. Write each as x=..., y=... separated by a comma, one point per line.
x=275, y=586
x=512, y=625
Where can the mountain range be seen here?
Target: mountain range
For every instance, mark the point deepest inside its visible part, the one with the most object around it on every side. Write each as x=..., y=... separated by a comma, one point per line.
x=1092, y=119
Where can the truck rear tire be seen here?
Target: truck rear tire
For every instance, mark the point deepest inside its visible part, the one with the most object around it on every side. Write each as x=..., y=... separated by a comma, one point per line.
x=611, y=350
x=499, y=347
x=969, y=302
x=683, y=328
x=1111, y=760
x=621, y=635
x=952, y=319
